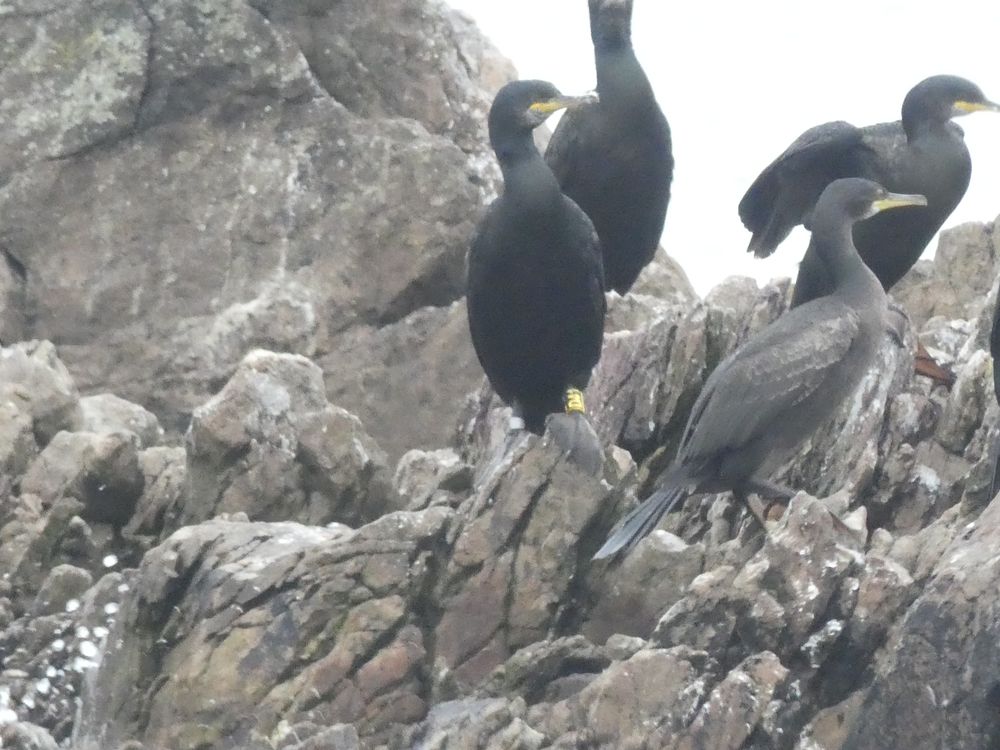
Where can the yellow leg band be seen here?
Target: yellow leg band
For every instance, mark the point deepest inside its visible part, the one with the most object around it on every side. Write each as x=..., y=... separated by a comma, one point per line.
x=574, y=401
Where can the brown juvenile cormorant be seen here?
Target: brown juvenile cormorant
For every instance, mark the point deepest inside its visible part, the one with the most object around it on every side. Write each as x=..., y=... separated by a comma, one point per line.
x=923, y=153
x=613, y=157
x=535, y=285
x=771, y=394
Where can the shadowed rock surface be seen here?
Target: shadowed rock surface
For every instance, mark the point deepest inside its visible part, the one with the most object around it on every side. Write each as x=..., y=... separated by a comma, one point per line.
x=255, y=237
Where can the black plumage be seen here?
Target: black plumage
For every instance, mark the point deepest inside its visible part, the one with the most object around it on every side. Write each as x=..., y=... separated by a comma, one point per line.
x=995, y=348
x=923, y=153
x=535, y=284
x=613, y=157
x=995, y=355
x=765, y=399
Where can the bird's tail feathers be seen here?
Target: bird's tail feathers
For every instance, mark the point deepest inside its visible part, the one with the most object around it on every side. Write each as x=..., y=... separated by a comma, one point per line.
x=766, y=239
x=995, y=456
x=760, y=246
x=642, y=520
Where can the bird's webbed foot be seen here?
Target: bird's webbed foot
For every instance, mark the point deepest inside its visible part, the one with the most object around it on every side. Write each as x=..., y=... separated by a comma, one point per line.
x=574, y=434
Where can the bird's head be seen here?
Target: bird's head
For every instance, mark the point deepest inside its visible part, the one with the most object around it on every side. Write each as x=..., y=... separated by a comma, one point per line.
x=521, y=106
x=611, y=23
x=860, y=199
x=939, y=98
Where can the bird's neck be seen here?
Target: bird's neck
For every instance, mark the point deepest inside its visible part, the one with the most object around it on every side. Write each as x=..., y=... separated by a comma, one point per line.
x=834, y=243
x=916, y=127
x=621, y=82
x=528, y=180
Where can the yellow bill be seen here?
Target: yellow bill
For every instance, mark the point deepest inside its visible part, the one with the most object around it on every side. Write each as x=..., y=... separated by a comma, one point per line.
x=970, y=107
x=548, y=106
x=897, y=200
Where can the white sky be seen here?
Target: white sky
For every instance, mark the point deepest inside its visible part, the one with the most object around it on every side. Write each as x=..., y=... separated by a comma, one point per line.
x=738, y=81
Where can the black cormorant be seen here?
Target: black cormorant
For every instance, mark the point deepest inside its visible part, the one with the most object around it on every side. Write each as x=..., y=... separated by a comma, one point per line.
x=613, y=157
x=995, y=355
x=535, y=285
x=763, y=400
x=923, y=153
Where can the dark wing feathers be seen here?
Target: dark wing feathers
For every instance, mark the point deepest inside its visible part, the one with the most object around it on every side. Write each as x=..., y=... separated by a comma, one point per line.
x=814, y=143
x=995, y=354
x=784, y=193
x=995, y=347
x=593, y=259
x=762, y=383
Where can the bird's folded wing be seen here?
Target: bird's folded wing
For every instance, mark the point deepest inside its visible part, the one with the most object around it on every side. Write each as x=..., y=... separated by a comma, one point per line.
x=593, y=258
x=761, y=384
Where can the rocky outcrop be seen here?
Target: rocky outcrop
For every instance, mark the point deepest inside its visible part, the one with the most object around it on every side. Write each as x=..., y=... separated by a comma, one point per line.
x=956, y=282
x=99, y=492
x=476, y=615
x=255, y=224
x=937, y=685
x=37, y=386
x=410, y=376
x=284, y=635
x=222, y=175
x=269, y=445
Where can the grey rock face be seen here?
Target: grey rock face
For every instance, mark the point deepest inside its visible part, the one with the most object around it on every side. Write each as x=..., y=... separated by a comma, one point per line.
x=629, y=598
x=49, y=651
x=493, y=724
x=36, y=382
x=106, y=412
x=101, y=471
x=361, y=654
x=95, y=52
x=427, y=477
x=956, y=283
x=62, y=585
x=270, y=445
x=230, y=175
x=515, y=557
x=309, y=736
x=937, y=685
x=664, y=278
x=407, y=379
x=17, y=436
x=391, y=58
x=25, y=736
x=164, y=494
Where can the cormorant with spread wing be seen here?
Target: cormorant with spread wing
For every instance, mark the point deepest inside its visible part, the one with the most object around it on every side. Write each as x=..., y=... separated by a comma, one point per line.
x=923, y=153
